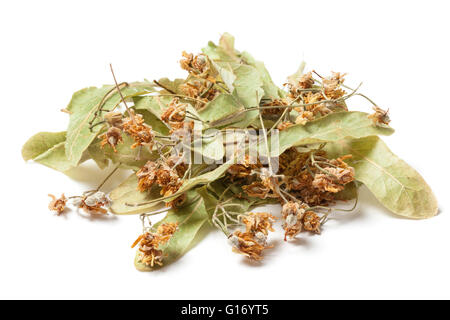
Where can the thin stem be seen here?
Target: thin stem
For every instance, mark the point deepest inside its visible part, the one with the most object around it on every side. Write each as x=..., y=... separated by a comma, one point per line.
x=285, y=113
x=219, y=225
x=98, y=123
x=367, y=98
x=156, y=211
x=288, y=194
x=362, y=95
x=192, y=116
x=222, y=87
x=105, y=97
x=314, y=163
x=180, y=96
x=164, y=87
x=207, y=90
x=108, y=176
x=265, y=137
x=308, y=104
x=120, y=93
x=188, y=171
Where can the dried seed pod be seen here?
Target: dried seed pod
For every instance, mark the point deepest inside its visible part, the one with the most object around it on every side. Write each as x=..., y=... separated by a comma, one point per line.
x=291, y=220
x=306, y=81
x=234, y=241
x=90, y=201
x=260, y=238
x=111, y=137
x=284, y=125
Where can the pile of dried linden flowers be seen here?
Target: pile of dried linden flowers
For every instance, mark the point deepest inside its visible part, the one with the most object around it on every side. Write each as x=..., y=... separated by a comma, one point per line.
x=208, y=149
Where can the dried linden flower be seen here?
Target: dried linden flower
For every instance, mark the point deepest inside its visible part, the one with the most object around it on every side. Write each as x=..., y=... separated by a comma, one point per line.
x=149, y=242
x=380, y=117
x=58, y=205
x=112, y=137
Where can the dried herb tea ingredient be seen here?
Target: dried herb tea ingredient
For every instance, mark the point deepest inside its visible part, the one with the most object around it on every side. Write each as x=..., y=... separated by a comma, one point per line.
x=325, y=152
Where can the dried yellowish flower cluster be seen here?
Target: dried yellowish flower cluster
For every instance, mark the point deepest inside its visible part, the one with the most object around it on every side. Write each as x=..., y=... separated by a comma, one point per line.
x=166, y=174
x=253, y=241
x=150, y=242
x=312, y=153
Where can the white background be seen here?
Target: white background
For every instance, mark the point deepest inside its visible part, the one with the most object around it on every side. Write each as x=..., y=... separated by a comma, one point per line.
x=399, y=49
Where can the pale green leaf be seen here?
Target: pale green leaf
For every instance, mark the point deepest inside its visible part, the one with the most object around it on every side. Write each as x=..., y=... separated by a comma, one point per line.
x=55, y=158
x=271, y=91
x=83, y=105
x=217, y=53
x=191, y=218
x=248, y=85
x=350, y=192
x=394, y=183
x=226, y=74
x=48, y=148
x=154, y=104
x=40, y=143
x=226, y=42
x=127, y=192
x=172, y=85
x=210, y=198
x=212, y=146
x=206, y=177
x=127, y=157
x=98, y=155
x=333, y=127
x=294, y=78
x=152, y=120
x=221, y=107
x=244, y=119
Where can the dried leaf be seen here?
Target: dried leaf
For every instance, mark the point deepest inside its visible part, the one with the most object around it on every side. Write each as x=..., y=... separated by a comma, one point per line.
x=151, y=119
x=129, y=158
x=212, y=148
x=211, y=200
x=248, y=85
x=173, y=86
x=191, y=219
x=154, y=104
x=83, y=105
x=394, y=183
x=40, y=143
x=221, y=107
x=350, y=192
x=333, y=127
x=55, y=158
x=206, y=177
x=271, y=91
x=294, y=78
x=127, y=192
x=47, y=148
